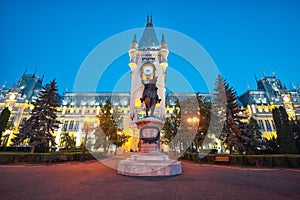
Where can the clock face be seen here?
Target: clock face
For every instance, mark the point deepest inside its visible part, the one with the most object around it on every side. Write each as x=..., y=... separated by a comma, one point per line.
x=286, y=98
x=148, y=70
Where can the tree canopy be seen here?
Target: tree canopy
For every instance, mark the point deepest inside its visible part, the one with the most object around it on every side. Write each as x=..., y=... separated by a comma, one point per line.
x=109, y=126
x=285, y=134
x=4, y=117
x=38, y=130
x=235, y=131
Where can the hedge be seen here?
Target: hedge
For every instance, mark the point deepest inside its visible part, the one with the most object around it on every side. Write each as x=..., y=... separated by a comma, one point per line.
x=13, y=157
x=276, y=160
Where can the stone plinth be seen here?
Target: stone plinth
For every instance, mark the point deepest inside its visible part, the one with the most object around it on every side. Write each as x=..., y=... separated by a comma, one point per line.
x=149, y=164
x=149, y=134
x=149, y=161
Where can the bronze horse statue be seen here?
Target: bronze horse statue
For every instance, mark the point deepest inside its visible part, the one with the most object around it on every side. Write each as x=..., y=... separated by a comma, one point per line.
x=150, y=96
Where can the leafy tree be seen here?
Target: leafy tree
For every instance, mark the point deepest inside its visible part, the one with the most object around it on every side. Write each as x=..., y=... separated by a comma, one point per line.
x=100, y=140
x=118, y=116
x=68, y=141
x=119, y=139
x=109, y=126
x=171, y=126
x=285, y=135
x=4, y=117
x=204, y=121
x=38, y=129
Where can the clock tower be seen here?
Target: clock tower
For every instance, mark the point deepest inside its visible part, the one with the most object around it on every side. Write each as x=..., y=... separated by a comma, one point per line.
x=148, y=61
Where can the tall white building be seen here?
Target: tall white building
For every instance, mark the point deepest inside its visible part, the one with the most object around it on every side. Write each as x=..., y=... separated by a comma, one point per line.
x=148, y=60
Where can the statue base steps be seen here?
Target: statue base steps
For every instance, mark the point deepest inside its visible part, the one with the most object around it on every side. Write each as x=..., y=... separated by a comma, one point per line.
x=149, y=164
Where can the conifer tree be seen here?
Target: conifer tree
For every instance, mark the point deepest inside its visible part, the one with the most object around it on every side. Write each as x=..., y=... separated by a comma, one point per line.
x=285, y=135
x=4, y=117
x=39, y=128
x=234, y=132
x=296, y=130
x=254, y=142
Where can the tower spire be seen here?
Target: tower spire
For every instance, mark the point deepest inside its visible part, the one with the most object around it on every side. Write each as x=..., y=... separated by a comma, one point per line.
x=163, y=38
x=134, y=44
x=148, y=39
x=163, y=43
x=149, y=21
x=263, y=73
x=255, y=78
x=43, y=77
x=134, y=39
x=273, y=72
x=25, y=71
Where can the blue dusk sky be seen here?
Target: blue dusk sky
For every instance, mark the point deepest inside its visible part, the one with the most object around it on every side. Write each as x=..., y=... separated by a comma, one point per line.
x=243, y=38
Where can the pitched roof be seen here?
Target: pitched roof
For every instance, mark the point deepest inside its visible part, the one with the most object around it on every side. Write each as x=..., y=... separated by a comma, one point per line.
x=149, y=39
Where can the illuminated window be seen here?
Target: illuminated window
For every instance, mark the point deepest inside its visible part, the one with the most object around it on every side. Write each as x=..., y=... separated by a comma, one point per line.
x=273, y=124
x=23, y=121
x=13, y=119
x=71, y=125
x=76, y=126
x=65, y=125
x=268, y=125
x=261, y=124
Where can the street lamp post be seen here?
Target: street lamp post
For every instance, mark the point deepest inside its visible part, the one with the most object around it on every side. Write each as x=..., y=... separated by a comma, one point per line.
x=194, y=120
x=87, y=121
x=119, y=133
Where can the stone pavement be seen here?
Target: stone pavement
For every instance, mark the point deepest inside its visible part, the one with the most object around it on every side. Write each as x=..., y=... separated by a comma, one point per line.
x=93, y=180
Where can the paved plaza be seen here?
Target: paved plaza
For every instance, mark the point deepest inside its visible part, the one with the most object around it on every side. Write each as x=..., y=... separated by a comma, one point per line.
x=93, y=180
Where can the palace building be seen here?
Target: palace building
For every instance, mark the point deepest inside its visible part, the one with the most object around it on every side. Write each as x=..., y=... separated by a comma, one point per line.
x=148, y=59
x=270, y=93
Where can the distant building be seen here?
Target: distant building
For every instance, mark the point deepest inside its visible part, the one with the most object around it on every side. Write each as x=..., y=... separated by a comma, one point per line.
x=28, y=86
x=270, y=93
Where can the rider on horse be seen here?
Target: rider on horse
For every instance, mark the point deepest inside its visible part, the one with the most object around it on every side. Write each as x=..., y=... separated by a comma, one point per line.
x=150, y=96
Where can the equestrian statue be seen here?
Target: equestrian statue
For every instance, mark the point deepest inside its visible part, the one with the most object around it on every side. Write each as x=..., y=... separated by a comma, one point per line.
x=150, y=96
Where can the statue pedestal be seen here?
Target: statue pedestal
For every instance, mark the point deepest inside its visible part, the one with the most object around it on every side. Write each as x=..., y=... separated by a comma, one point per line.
x=149, y=161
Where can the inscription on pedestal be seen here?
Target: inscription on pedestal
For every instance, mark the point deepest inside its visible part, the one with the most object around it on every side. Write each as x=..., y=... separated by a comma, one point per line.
x=149, y=139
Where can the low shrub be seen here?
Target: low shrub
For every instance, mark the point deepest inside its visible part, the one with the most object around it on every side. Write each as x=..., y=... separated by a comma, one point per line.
x=16, y=157
x=276, y=160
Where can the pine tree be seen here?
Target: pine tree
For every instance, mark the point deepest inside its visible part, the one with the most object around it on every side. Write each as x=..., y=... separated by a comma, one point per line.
x=254, y=142
x=285, y=135
x=296, y=130
x=39, y=128
x=4, y=117
x=271, y=146
x=234, y=133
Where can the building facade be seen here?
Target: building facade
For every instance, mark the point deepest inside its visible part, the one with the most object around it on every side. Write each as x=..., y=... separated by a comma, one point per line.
x=270, y=93
x=148, y=60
